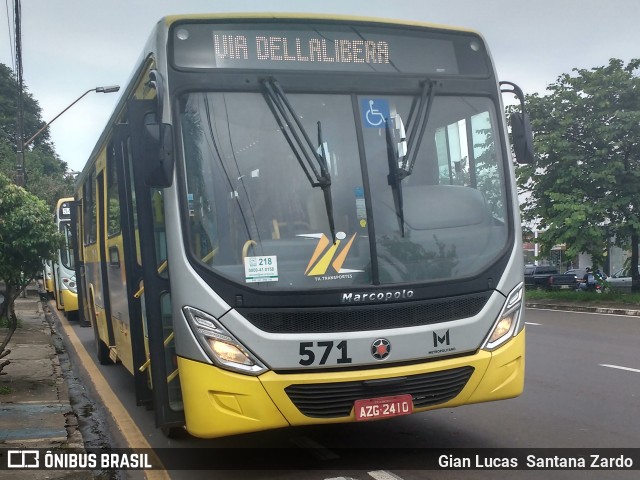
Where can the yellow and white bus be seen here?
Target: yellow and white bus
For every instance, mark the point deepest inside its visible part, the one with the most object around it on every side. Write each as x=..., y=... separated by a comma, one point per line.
x=63, y=268
x=47, y=278
x=293, y=220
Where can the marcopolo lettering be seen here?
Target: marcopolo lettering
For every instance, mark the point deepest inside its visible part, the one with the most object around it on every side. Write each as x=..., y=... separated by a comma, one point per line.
x=351, y=297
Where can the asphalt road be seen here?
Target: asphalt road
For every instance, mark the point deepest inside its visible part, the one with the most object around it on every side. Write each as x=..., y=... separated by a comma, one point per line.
x=582, y=391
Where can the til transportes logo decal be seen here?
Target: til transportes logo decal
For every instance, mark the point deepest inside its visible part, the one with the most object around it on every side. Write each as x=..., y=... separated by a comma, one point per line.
x=328, y=255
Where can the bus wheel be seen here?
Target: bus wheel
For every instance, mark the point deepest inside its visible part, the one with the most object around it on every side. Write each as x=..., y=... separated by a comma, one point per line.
x=102, y=350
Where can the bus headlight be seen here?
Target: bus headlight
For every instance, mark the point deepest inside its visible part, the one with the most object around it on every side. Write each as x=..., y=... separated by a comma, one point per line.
x=71, y=284
x=222, y=347
x=508, y=321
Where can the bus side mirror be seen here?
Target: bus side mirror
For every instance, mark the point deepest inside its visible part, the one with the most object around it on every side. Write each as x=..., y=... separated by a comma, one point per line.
x=158, y=159
x=522, y=135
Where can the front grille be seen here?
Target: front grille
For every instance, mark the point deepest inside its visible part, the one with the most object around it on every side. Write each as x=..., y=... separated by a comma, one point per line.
x=367, y=317
x=332, y=400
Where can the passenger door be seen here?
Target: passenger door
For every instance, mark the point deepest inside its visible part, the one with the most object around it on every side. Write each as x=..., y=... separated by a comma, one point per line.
x=154, y=287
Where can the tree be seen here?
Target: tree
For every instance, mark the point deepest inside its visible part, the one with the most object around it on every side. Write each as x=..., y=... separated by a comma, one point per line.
x=28, y=236
x=583, y=190
x=9, y=107
x=47, y=176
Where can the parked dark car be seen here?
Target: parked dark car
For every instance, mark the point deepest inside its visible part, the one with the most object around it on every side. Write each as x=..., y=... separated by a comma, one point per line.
x=547, y=277
x=581, y=272
x=578, y=272
x=598, y=280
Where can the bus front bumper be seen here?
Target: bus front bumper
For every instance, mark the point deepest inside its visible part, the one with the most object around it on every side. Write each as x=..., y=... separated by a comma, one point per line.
x=70, y=300
x=219, y=403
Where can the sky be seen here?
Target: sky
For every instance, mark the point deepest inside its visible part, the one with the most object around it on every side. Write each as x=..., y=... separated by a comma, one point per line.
x=71, y=46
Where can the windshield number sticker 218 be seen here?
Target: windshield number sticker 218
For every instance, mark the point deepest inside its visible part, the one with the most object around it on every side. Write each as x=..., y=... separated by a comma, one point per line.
x=318, y=353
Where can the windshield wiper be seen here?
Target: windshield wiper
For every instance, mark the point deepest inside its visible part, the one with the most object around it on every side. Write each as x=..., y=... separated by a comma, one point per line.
x=399, y=170
x=396, y=174
x=300, y=144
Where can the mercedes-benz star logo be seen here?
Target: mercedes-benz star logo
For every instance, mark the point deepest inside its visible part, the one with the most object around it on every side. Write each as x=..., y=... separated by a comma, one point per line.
x=380, y=348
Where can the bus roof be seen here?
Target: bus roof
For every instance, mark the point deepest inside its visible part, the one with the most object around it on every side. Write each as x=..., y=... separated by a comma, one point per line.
x=170, y=19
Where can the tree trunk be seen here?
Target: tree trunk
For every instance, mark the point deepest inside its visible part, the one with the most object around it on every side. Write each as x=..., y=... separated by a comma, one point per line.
x=635, y=276
x=10, y=314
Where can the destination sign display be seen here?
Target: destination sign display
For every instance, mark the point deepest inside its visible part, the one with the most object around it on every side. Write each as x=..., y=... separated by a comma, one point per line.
x=64, y=213
x=321, y=48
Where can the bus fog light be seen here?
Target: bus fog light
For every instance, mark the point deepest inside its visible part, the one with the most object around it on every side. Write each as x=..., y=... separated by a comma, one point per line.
x=220, y=345
x=73, y=286
x=70, y=283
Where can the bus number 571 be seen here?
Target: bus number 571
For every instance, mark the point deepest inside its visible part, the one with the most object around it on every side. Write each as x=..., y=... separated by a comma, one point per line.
x=309, y=352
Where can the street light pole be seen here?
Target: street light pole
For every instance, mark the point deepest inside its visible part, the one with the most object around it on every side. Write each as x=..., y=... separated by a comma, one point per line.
x=109, y=89
x=20, y=170
x=20, y=180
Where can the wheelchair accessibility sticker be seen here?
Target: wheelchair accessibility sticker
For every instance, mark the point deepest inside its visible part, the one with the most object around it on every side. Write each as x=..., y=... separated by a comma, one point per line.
x=375, y=112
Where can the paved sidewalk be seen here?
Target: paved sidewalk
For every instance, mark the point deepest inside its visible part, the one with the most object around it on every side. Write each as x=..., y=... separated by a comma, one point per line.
x=35, y=410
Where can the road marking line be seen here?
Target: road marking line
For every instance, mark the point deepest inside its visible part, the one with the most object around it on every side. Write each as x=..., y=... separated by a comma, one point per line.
x=618, y=367
x=130, y=431
x=383, y=475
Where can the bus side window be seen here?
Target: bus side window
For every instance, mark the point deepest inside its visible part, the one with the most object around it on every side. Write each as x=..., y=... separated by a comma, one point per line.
x=113, y=198
x=453, y=156
x=159, y=228
x=89, y=204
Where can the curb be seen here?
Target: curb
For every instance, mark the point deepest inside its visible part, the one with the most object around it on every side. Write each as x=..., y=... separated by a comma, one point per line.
x=587, y=309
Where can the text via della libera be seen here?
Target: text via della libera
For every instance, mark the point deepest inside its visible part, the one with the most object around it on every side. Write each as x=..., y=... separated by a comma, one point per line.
x=315, y=49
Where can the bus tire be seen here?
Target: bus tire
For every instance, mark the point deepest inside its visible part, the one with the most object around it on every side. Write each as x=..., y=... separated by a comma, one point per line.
x=102, y=350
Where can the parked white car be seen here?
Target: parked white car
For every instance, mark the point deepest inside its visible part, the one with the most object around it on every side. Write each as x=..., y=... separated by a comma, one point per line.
x=621, y=280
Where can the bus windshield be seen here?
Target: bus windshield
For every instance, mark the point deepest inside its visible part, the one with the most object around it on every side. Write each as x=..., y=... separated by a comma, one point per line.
x=255, y=218
x=66, y=252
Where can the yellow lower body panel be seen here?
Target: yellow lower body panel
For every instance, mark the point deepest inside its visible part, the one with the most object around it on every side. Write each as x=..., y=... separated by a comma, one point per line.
x=505, y=376
x=70, y=301
x=219, y=403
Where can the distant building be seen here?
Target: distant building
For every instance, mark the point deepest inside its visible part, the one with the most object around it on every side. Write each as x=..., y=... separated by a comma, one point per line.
x=614, y=258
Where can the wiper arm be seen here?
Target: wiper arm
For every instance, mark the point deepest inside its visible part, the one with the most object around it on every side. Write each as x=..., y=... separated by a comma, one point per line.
x=326, y=185
x=415, y=132
x=398, y=170
x=396, y=174
x=300, y=144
